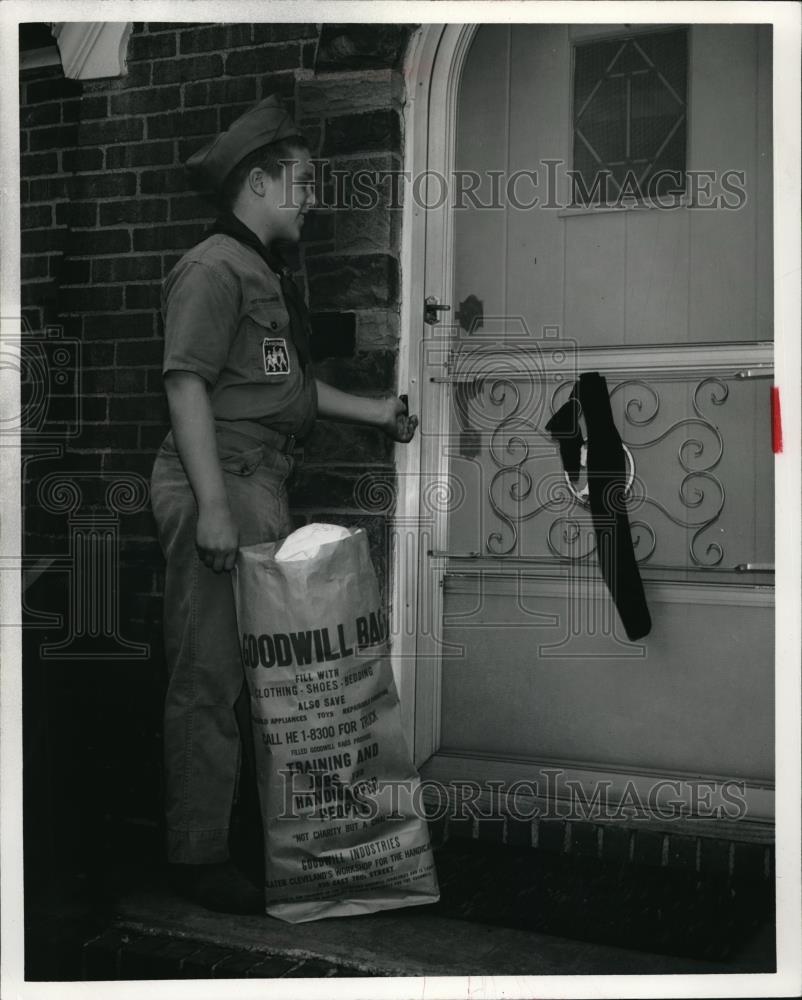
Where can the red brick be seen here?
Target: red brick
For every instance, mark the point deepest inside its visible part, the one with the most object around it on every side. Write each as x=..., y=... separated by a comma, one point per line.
x=143, y=296
x=151, y=437
x=281, y=83
x=72, y=272
x=42, y=240
x=40, y=114
x=147, y=353
x=130, y=380
x=186, y=147
x=151, y=46
x=220, y=92
x=190, y=207
x=102, y=133
x=165, y=181
x=76, y=160
x=93, y=408
x=263, y=59
x=157, y=27
x=97, y=298
x=135, y=102
x=138, y=408
x=92, y=186
x=89, y=107
x=119, y=326
x=141, y=154
x=114, y=269
x=181, y=70
x=184, y=123
x=277, y=32
x=76, y=215
x=101, y=241
x=231, y=113
x=44, y=189
x=37, y=293
x=33, y=267
x=215, y=38
x=139, y=74
x=36, y=216
x=168, y=237
x=97, y=355
x=137, y=210
x=48, y=90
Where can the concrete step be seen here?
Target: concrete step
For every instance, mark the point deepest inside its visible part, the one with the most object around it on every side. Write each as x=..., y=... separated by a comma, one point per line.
x=404, y=942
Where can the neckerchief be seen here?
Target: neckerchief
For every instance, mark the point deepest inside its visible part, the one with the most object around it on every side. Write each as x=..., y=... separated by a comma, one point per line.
x=230, y=225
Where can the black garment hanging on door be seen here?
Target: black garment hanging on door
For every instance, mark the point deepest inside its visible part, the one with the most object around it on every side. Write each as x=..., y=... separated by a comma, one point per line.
x=607, y=477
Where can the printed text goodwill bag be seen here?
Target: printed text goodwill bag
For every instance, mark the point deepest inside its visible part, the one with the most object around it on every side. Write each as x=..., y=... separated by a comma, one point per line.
x=340, y=797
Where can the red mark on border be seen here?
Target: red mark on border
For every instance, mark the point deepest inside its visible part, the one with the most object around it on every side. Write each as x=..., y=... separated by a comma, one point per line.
x=776, y=421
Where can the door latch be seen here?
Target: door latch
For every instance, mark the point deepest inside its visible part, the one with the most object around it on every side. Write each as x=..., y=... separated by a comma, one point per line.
x=431, y=308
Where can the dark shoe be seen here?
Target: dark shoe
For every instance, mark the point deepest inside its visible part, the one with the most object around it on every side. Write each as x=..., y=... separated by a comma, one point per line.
x=219, y=887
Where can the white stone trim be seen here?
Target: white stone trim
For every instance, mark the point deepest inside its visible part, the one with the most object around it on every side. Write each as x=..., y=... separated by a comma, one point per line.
x=92, y=50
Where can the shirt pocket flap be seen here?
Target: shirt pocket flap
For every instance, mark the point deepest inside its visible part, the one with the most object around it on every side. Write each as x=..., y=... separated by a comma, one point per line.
x=269, y=314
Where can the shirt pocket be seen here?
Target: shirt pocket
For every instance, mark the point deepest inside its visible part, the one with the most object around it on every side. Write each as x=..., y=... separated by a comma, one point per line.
x=270, y=340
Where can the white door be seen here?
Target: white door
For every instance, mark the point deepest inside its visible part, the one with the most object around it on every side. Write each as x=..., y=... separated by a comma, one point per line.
x=522, y=661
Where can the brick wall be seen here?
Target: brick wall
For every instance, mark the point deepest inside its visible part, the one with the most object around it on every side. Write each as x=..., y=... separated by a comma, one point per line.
x=106, y=212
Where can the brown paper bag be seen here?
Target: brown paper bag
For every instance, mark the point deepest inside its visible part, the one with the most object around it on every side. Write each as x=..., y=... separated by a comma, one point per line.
x=344, y=826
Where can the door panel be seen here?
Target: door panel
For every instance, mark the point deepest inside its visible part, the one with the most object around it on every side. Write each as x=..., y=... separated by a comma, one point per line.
x=533, y=660
x=684, y=705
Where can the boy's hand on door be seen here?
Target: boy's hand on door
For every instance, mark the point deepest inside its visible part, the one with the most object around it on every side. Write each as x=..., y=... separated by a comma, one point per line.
x=398, y=424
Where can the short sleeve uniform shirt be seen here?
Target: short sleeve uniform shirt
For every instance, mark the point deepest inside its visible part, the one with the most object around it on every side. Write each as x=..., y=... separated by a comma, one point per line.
x=225, y=319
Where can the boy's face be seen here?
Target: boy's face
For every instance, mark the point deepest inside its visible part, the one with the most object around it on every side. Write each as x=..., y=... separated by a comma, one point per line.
x=288, y=197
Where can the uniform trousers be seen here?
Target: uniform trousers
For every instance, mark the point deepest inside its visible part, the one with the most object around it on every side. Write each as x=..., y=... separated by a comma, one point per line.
x=205, y=673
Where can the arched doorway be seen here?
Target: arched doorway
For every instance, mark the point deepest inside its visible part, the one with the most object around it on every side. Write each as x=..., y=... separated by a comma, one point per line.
x=518, y=662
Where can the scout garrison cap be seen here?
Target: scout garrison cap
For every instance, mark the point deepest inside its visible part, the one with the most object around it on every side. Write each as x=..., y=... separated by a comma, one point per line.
x=269, y=121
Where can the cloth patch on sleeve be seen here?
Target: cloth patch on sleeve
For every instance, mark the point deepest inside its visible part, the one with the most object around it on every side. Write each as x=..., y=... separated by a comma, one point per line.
x=276, y=357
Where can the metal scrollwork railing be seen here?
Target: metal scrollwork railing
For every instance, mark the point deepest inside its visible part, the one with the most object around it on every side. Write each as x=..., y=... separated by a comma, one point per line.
x=517, y=438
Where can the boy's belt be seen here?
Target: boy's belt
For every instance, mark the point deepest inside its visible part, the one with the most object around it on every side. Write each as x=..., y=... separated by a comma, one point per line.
x=285, y=443
x=243, y=433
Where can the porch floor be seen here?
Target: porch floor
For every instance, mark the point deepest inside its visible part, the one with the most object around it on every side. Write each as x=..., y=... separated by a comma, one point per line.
x=139, y=929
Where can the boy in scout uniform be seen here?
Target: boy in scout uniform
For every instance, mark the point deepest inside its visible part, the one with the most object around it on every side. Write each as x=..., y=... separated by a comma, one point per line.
x=241, y=393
